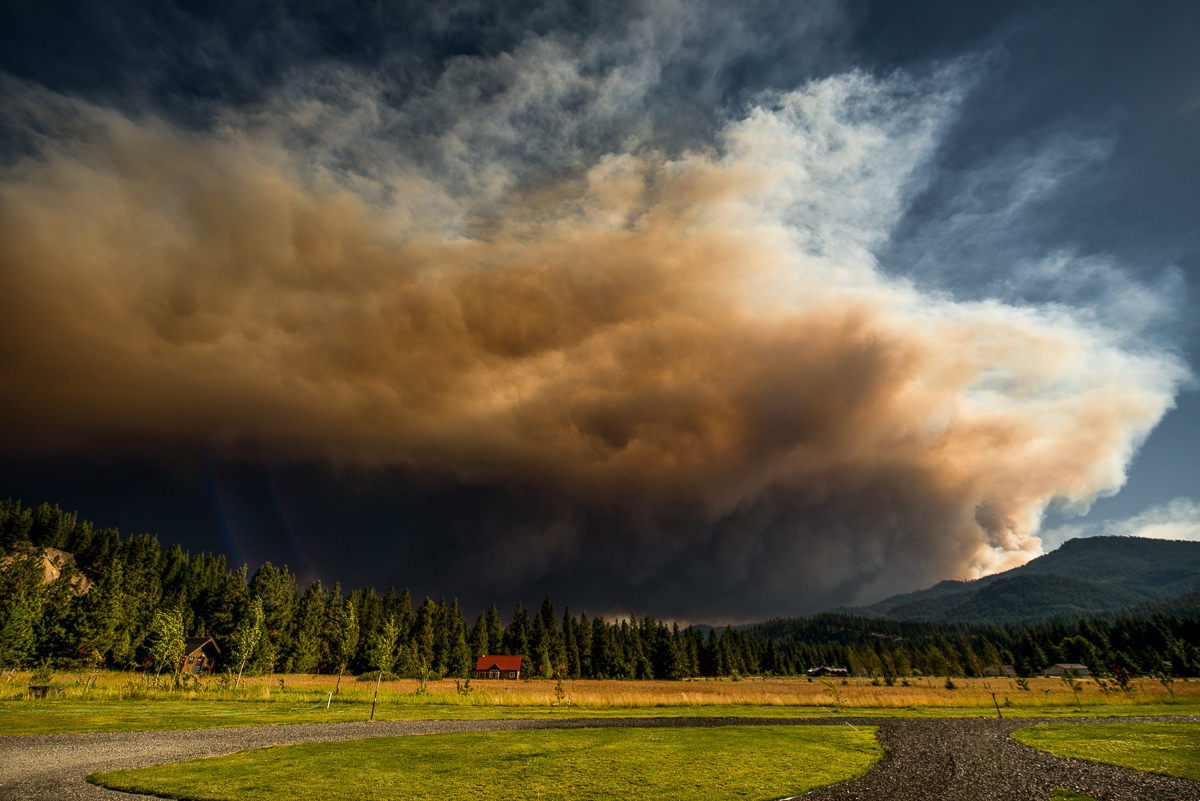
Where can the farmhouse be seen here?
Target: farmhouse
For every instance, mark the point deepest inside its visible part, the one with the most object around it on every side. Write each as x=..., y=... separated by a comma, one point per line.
x=199, y=653
x=497, y=667
x=1063, y=668
x=828, y=671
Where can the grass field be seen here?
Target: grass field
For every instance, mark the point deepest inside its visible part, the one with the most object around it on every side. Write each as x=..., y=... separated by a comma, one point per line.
x=699, y=764
x=1068, y=795
x=123, y=702
x=1172, y=749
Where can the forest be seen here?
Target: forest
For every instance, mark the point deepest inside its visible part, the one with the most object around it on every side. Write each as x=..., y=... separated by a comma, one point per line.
x=114, y=596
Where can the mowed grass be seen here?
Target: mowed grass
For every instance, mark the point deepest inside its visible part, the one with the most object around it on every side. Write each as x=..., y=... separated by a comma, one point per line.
x=124, y=702
x=1170, y=749
x=1060, y=794
x=693, y=764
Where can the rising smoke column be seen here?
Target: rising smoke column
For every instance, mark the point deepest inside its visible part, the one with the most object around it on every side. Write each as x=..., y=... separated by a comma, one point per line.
x=686, y=362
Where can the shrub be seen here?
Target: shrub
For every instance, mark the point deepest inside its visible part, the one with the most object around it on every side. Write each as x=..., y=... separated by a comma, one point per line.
x=44, y=674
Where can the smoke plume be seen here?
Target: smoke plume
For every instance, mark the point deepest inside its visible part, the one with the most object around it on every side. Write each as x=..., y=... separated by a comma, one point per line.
x=681, y=358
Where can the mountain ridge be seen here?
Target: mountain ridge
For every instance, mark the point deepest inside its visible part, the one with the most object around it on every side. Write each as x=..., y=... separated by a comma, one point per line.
x=1082, y=577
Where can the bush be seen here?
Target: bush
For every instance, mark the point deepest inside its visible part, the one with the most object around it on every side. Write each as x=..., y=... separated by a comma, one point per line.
x=374, y=674
x=44, y=674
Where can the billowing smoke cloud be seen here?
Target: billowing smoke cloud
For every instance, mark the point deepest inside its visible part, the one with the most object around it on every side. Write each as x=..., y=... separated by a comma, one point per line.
x=683, y=357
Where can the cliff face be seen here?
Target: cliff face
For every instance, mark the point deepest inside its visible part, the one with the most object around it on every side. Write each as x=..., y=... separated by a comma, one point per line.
x=54, y=564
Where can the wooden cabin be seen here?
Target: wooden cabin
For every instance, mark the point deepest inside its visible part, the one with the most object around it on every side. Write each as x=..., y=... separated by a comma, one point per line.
x=497, y=667
x=1065, y=668
x=199, y=654
x=828, y=671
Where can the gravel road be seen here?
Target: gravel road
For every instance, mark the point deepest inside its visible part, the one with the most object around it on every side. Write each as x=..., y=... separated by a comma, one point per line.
x=927, y=759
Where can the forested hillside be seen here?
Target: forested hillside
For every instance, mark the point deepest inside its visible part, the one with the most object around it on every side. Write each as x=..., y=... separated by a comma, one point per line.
x=1082, y=577
x=265, y=622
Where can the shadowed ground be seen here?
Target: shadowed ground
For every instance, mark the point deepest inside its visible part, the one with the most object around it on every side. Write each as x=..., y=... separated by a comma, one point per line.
x=959, y=759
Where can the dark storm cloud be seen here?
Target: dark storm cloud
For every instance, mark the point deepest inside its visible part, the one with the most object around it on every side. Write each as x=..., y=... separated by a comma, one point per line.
x=576, y=340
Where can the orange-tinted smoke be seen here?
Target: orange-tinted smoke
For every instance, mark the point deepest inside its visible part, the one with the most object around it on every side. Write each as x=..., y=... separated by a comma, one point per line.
x=641, y=340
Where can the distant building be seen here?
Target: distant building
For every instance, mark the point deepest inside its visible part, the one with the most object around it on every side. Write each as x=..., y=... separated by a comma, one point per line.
x=497, y=667
x=1063, y=668
x=1002, y=670
x=828, y=671
x=199, y=653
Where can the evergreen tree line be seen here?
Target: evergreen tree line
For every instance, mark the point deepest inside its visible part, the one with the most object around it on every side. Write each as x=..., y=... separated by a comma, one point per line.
x=266, y=623
x=884, y=648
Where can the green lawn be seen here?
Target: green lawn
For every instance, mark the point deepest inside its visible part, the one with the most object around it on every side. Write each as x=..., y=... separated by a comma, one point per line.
x=1172, y=749
x=75, y=715
x=693, y=764
x=1067, y=795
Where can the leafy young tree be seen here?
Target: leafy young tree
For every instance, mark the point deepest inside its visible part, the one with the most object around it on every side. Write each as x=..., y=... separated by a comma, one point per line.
x=166, y=642
x=246, y=636
x=341, y=634
x=382, y=646
x=381, y=652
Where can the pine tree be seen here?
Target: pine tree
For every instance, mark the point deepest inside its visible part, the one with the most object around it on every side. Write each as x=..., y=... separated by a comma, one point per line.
x=405, y=619
x=425, y=633
x=571, y=645
x=583, y=637
x=96, y=617
x=459, y=660
x=478, y=642
x=495, y=632
x=20, y=609
x=440, y=663
x=305, y=638
x=277, y=589
x=516, y=636
x=15, y=523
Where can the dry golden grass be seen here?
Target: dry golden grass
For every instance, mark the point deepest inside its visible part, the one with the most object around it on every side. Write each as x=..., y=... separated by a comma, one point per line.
x=616, y=695
x=792, y=692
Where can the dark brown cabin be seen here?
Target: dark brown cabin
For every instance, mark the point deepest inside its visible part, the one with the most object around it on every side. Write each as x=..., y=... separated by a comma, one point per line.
x=199, y=653
x=828, y=671
x=497, y=667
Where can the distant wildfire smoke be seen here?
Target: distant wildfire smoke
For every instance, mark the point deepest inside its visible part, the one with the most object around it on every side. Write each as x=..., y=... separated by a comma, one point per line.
x=688, y=358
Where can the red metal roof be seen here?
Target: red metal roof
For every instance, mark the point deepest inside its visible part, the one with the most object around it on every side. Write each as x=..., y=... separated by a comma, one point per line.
x=498, y=663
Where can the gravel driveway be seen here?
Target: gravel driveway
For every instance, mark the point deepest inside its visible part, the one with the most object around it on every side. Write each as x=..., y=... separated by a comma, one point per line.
x=927, y=759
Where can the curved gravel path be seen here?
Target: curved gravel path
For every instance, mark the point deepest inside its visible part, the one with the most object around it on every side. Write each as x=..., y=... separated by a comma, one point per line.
x=927, y=759
x=974, y=759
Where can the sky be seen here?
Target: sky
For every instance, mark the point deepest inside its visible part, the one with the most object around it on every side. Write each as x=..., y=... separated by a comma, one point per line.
x=710, y=311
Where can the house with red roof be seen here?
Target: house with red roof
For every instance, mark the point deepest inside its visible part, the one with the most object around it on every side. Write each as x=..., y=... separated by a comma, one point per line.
x=497, y=667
